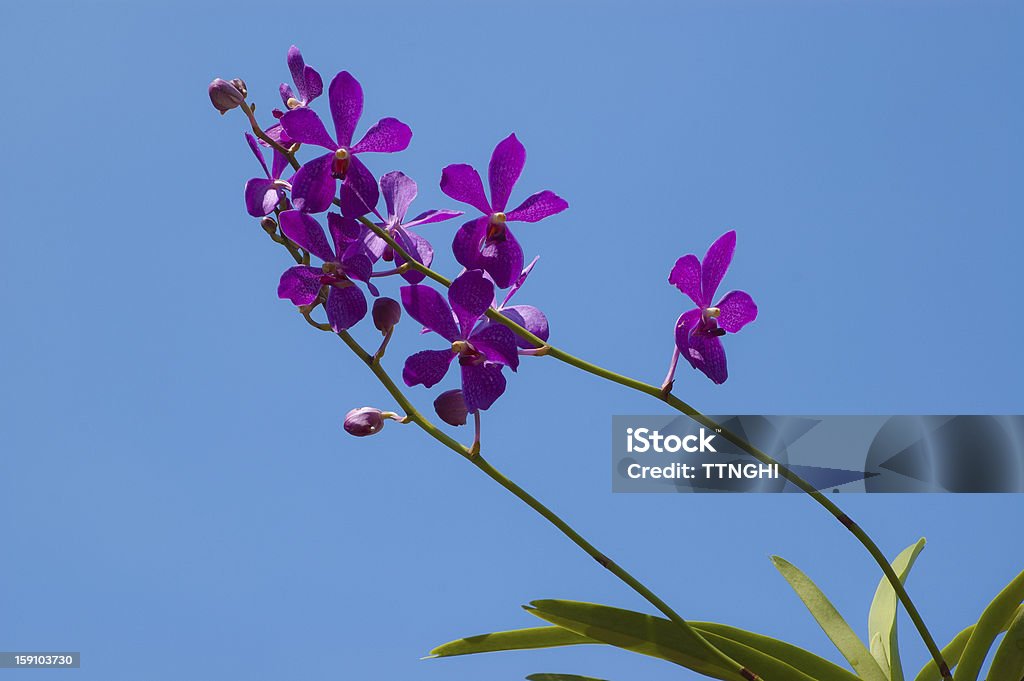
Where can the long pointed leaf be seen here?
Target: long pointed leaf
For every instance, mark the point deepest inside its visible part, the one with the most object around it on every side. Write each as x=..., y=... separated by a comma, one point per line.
x=803, y=660
x=636, y=632
x=517, y=639
x=987, y=628
x=882, y=616
x=831, y=622
x=955, y=648
x=1009, y=660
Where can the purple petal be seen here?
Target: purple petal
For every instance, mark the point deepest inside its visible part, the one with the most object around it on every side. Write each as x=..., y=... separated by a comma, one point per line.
x=278, y=165
x=503, y=260
x=304, y=230
x=286, y=93
x=356, y=263
x=531, y=319
x=497, y=343
x=276, y=132
x=387, y=136
x=685, y=276
x=257, y=152
x=297, y=66
x=399, y=190
x=426, y=306
x=375, y=246
x=738, y=310
x=313, y=185
x=303, y=125
x=716, y=262
x=537, y=207
x=462, y=183
x=482, y=384
x=507, y=163
x=300, y=284
x=470, y=295
x=344, y=232
x=346, y=98
x=359, y=191
x=431, y=216
x=261, y=196
x=427, y=367
x=416, y=246
x=702, y=350
x=345, y=306
x=520, y=281
x=314, y=84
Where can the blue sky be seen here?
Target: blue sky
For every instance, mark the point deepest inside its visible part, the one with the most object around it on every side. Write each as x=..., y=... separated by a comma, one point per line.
x=177, y=498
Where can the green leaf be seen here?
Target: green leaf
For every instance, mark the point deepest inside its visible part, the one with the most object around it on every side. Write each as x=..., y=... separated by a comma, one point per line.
x=559, y=677
x=798, y=658
x=517, y=639
x=1009, y=660
x=954, y=649
x=882, y=616
x=988, y=627
x=636, y=632
x=831, y=622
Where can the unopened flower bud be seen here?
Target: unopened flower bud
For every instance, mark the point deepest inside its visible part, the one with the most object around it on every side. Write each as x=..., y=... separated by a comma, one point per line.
x=364, y=421
x=224, y=95
x=451, y=407
x=269, y=225
x=386, y=313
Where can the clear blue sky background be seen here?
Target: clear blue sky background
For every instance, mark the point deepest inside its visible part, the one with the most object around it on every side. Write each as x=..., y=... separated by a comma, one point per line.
x=177, y=498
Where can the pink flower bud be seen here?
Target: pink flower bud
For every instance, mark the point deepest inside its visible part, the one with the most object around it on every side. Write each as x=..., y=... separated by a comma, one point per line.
x=225, y=96
x=386, y=313
x=451, y=407
x=364, y=421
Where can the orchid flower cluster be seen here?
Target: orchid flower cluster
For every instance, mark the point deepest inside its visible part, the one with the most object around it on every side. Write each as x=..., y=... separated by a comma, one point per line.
x=336, y=187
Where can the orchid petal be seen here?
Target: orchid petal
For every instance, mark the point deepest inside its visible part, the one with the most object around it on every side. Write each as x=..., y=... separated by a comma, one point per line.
x=303, y=125
x=531, y=319
x=462, y=182
x=313, y=185
x=737, y=310
x=416, y=246
x=300, y=284
x=304, y=230
x=261, y=196
x=345, y=306
x=685, y=276
x=506, y=165
x=470, y=295
x=716, y=262
x=537, y=207
x=399, y=190
x=432, y=216
x=497, y=343
x=430, y=309
x=427, y=367
x=257, y=152
x=346, y=98
x=482, y=384
x=387, y=136
x=359, y=193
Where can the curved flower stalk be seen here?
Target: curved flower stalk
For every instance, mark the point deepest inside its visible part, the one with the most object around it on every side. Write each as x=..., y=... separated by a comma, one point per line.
x=492, y=257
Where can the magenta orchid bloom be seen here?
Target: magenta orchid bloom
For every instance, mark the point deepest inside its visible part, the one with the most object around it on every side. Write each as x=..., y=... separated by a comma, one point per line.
x=482, y=349
x=486, y=242
x=263, y=194
x=307, y=81
x=698, y=331
x=344, y=263
x=399, y=190
x=314, y=184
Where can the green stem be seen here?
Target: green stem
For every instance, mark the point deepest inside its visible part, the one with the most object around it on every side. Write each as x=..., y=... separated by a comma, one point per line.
x=684, y=408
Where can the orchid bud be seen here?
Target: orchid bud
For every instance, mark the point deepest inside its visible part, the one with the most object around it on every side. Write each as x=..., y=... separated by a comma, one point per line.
x=225, y=96
x=240, y=86
x=451, y=407
x=364, y=421
x=386, y=313
x=269, y=225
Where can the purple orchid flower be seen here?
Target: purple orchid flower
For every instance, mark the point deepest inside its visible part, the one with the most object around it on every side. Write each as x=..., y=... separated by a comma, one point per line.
x=263, y=194
x=487, y=243
x=307, y=81
x=526, y=316
x=314, y=183
x=698, y=331
x=344, y=263
x=482, y=349
x=399, y=190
